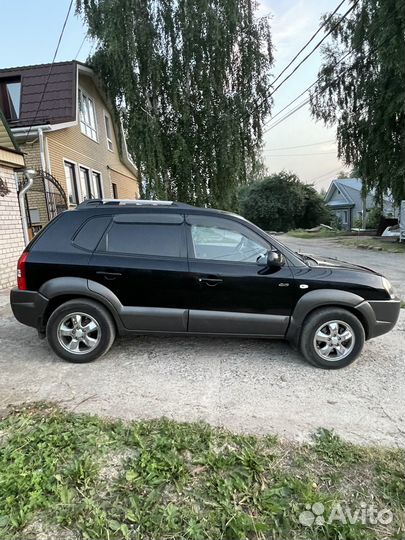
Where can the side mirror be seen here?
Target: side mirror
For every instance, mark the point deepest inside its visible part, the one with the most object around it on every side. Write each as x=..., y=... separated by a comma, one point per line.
x=275, y=259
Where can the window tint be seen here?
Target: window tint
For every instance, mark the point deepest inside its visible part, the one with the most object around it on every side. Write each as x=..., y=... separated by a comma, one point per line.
x=162, y=240
x=224, y=244
x=89, y=235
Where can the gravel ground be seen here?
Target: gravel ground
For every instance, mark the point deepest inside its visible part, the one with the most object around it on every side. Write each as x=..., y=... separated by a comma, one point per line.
x=253, y=386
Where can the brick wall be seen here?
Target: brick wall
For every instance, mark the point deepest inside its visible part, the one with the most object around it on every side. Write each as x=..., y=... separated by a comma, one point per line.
x=11, y=234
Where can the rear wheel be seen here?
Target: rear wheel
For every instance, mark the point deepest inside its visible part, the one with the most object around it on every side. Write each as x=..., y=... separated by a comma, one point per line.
x=332, y=338
x=80, y=331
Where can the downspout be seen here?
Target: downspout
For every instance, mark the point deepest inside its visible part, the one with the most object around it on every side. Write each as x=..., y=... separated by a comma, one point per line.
x=30, y=175
x=42, y=149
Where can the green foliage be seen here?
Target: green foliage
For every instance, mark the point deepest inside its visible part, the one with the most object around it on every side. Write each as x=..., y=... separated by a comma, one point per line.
x=364, y=96
x=64, y=475
x=192, y=79
x=281, y=202
x=374, y=217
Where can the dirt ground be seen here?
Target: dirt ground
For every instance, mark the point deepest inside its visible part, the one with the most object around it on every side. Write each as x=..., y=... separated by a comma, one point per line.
x=252, y=386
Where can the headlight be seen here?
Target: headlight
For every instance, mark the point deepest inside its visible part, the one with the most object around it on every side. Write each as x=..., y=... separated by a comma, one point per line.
x=388, y=287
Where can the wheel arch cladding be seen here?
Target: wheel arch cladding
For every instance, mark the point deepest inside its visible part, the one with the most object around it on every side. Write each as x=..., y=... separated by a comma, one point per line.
x=322, y=298
x=59, y=290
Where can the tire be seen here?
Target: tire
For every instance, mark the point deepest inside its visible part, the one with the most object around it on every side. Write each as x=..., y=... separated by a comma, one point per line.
x=80, y=331
x=332, y=326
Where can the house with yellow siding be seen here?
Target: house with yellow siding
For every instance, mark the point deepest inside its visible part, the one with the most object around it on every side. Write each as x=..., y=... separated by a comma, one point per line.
x=66, y=127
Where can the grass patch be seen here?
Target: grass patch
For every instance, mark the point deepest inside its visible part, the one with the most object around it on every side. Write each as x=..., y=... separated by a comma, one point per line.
x=367, y=242
x=323, y=233
x=78, y=476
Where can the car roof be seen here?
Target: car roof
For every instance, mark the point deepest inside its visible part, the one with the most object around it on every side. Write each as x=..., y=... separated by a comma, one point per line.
x=102, y=206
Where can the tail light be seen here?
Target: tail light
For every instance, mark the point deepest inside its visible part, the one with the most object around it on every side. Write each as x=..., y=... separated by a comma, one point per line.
x=21, y=272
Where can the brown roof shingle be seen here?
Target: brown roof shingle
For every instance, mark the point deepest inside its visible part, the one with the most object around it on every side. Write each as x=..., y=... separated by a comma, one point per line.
x=59, y=102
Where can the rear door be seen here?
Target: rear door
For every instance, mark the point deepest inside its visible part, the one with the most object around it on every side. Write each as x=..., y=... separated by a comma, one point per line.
x=232, y=291
x=142, y=259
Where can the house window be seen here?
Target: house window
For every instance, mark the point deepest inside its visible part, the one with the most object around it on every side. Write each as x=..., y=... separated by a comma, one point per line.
x=71, y=182
x=85, y=185
x=108, y=131
x=35, y=218
x=87, y=110
x=10, y=96
x=114, y=190
x=97, y=186
x=345, y=217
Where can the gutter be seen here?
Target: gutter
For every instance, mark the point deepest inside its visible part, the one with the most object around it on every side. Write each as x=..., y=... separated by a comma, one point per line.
x=30, y=175
x=21, y=132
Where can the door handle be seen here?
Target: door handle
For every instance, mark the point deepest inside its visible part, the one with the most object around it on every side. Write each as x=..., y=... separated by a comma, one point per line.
x=109, y=276
x=211, y=282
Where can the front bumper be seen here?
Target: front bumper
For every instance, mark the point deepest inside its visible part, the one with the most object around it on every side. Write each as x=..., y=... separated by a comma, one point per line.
x=381, y=315
x=29, y=307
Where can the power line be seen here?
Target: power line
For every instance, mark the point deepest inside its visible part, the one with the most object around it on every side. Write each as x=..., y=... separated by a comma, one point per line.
x=344, y=16
x=317, y=46
x=80, y=48
x=299, y=155
x=321, y=91
x=322, y=176
x=309, y=41
x=301, y=145
x=302, y=93
x=50, y=69
x=315, y=82
x=283, y=118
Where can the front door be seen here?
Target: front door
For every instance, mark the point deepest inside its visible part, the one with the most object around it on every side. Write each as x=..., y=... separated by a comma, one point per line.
x=142, y=259
x=232, y=291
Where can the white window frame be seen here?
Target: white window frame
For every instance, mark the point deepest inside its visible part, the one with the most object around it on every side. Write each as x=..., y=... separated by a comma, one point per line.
x=109, y=139
x=86, y=126
x=90, y=170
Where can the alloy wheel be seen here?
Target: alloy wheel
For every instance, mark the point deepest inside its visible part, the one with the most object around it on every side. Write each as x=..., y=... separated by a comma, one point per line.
x=79, y=333
x=334, y=340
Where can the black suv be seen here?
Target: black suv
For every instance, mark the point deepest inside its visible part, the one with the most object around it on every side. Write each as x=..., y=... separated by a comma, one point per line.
x=153, y=267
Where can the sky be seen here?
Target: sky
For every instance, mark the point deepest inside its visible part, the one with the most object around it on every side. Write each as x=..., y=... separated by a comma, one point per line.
x=292, y=23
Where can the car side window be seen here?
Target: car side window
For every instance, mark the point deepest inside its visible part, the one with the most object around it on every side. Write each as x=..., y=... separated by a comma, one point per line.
x=222, y=243
x=90, y=233
x=149, y=239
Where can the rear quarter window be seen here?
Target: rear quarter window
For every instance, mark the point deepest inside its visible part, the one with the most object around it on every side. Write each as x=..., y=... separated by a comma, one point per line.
x=89, y=235
x=152, y=239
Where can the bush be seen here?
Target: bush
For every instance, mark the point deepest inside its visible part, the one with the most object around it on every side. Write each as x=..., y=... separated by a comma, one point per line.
x=281, y=202
x=374, y=217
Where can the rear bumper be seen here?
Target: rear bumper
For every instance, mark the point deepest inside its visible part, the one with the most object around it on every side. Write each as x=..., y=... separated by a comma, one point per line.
x=28, y=307
x=381, y=315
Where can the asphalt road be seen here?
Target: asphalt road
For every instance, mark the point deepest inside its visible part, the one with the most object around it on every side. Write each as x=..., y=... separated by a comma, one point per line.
x=253, y=386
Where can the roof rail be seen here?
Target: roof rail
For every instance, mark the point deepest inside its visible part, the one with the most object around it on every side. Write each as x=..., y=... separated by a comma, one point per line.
x=128, y=202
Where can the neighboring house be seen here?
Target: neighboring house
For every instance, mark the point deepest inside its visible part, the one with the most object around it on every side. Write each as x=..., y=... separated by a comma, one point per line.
x=69, y=134
x=345, y=200
x=11, y=233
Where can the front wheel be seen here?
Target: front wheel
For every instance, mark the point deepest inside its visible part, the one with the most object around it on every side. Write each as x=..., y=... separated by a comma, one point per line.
x=80, y=330
x=332, y=338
